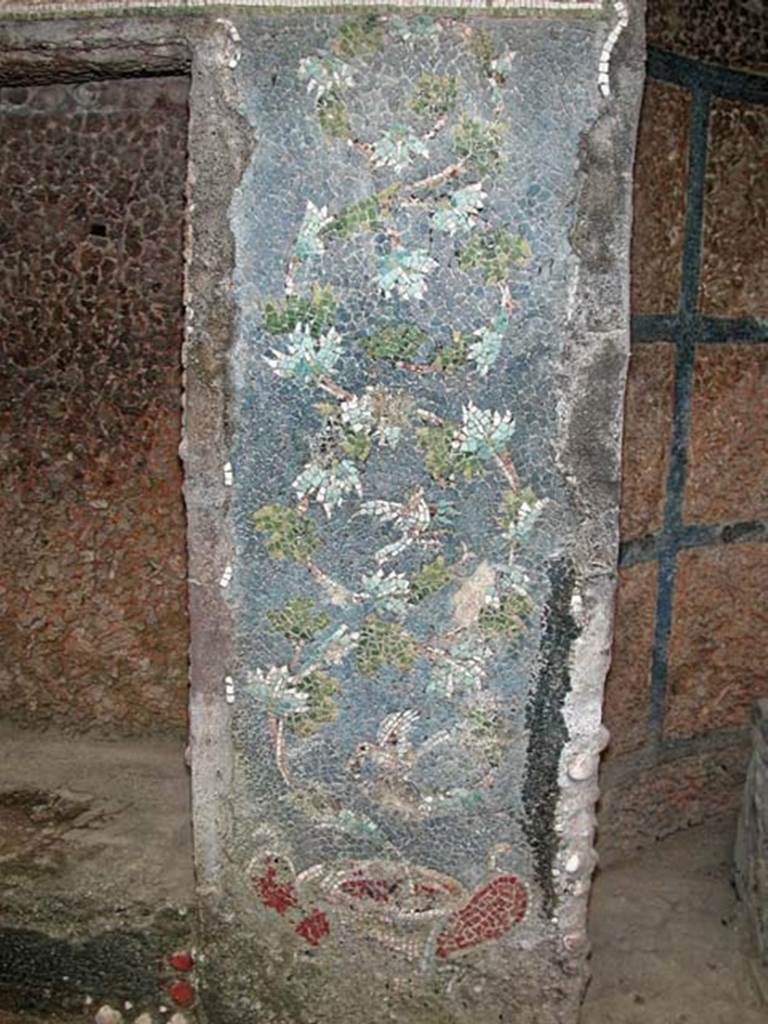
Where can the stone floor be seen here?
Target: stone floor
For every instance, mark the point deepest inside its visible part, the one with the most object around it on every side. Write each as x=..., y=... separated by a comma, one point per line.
x=88, y=815
x=110, y=819
x=96, y=876
x=670, y=944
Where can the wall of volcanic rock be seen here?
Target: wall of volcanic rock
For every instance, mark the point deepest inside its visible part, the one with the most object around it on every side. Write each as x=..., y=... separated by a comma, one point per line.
x=92, y=564
x=687, y=658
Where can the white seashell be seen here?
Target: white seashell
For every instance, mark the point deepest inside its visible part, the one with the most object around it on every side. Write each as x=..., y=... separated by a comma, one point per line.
x=106, y=1015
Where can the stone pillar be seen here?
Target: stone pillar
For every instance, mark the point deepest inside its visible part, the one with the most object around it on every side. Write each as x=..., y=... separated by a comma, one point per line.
x=431, y=278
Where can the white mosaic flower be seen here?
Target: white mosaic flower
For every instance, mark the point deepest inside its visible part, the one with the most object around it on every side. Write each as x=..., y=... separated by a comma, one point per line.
x=398, y=148
x=325, y=73
x=357, y=413
x=462, y=669
x=485, y=351
x=483, y=432
x=276, y=690
x=420, y=27
x=461, y=211
x=372, y=414
x=308, y=241
x=390, y=593
x=306, y=358
x=388, y=435
x=329, y=485
x=501, y=66
x=404, y=271
x=524, y=511
x=339, y=645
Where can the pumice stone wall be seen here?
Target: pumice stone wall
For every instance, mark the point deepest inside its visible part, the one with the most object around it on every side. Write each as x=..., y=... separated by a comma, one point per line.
x=406, y=300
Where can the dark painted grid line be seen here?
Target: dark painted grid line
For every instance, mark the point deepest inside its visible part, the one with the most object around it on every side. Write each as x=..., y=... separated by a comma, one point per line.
x=694, y=207
x=684, y=340
x=697, y=535
x=707, y=330
x=690, y=74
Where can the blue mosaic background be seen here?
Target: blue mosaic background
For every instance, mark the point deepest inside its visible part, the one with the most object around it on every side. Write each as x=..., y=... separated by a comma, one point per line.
x=444, y=789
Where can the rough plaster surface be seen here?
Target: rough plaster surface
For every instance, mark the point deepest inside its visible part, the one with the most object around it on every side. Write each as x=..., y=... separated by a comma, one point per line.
x=444, y=855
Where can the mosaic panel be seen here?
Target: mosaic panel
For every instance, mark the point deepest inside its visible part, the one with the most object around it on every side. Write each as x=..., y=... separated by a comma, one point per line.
x=402, y=584
x=659, y=198
x=716, y=669
x=94, y=627
x=727, y=476
x=647, y=432
x=53, y=7
x=627, y=688
x=734, y=264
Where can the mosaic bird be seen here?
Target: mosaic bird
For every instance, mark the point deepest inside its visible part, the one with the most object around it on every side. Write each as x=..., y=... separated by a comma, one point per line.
x=411, y=518
x=393, y=751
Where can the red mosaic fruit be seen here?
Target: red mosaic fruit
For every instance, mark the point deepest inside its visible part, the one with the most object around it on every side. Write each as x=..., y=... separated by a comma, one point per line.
x=490, y=913
x=182, y=993
x=313, y=927
x=277, y=893
x=181, y=960
x=376, y=889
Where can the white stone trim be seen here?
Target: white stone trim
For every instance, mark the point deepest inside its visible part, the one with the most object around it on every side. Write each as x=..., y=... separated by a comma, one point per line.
x=604, y=67
x=47, y=8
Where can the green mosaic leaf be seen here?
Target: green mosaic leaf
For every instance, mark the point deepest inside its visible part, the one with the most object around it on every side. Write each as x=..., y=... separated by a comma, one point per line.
x=492, y=253
x=334, y=116
x=320, y=690
x=454, y=355
x=325, y=73
x=508, y=619
x=361, y=35
x=482, y=49
x=480, y=143
x=357, y=445
x=316, y=314
x=330, y=483
x=297, y=620
x=396, y=342
x=519, y=513
x=390, y=592
x=512, y=502
x=290, y=534
x=367, y=215
x=442, y=458
x=486, y=723
x=435, y=95
x=383, y=644
x=485, y=349
x=431, y=577
x=460, y=212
